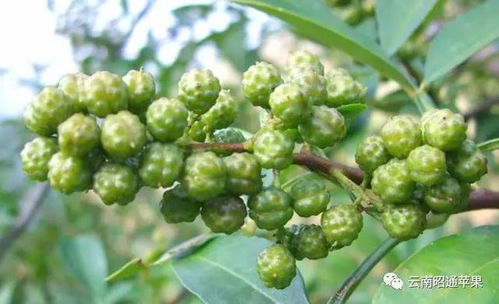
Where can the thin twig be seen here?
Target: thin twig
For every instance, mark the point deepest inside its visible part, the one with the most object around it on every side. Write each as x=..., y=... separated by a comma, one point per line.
x=433, y=94
x=325, y=165
x=411, y=70
x=359, y=192
x=362, y=271
x=29, y=204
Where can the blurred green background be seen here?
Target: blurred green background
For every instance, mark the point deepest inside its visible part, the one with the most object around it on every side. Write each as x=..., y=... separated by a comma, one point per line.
x=42, y=239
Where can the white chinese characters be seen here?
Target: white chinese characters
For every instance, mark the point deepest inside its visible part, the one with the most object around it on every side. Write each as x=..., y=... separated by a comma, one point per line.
x=445, y=281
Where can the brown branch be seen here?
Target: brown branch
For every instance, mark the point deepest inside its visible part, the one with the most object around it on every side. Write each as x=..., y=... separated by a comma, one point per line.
x=29, y=205
x=230, y=147
x=483, y=199
x=325, y=165
x=479, y=199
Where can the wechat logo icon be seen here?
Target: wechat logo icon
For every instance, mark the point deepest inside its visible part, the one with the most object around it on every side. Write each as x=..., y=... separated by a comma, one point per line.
x=393, y=280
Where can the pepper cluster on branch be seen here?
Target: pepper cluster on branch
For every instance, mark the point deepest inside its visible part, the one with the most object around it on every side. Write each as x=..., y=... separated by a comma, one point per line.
x=113, y=135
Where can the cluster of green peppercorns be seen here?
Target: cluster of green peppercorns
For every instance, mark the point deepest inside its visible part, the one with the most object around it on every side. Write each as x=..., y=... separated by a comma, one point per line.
x=302, y=100
x=418, y=166
x=113, y=135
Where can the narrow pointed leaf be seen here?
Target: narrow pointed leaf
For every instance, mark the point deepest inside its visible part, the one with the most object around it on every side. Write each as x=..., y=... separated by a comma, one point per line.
x=350, y=111
x=461, y=38
x=137, y=265
x=397, y=20
x=126, y=271
x=315, y=20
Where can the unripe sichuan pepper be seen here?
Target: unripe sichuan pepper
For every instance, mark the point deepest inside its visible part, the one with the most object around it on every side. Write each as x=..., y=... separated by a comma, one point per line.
x=276, y=267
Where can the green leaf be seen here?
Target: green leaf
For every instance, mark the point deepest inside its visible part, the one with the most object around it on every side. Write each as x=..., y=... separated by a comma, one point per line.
x=397, y=20
x=229, y=135
x=461, y=38
x=84, y=257
x=314, y=20
x=224, y=271
x=350, y=111
x=472, y=253
x=489, y=145
x=138, y=265
x=126, y=271
x=368, y=27
x=247, y=135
